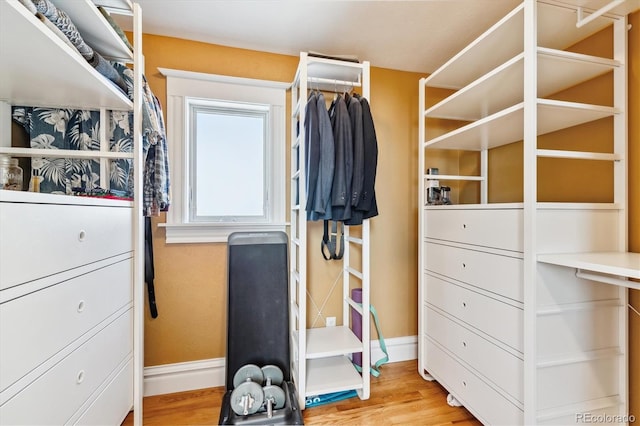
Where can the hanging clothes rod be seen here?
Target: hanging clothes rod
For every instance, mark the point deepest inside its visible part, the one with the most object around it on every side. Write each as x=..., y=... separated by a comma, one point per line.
x=582, y=21
x=331, y=82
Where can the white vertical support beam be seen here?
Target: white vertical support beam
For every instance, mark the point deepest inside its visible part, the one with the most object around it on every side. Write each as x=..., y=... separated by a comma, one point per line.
x=484, y=172
x=422, y=98
x=104, y=147
x=302, y=235
x=366, y=303
x=138, y=222
x=366, y=273
x=620, y=191
x=620, y=123
x=5, y=124
x=294, y=255
x=530, y=198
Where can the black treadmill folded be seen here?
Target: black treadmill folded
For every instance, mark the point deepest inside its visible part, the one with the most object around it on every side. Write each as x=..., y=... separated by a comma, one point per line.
x=258, y=320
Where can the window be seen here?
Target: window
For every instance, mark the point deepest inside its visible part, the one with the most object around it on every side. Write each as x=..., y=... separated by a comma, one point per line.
x=227, y=156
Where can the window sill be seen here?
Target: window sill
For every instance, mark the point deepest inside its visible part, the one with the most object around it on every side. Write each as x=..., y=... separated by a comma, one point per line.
x=184, y=233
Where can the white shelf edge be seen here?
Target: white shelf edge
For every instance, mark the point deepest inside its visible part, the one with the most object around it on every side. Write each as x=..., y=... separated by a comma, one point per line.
x=64, y=153
x=556, y=72
x=492, y=31
x=95, y=29
x=49, y=198
x=549, y=120
x=581, y=306
x=583, y=407
x=578, y=155
x=325, y=342
x=620, y=264
x=327, y=375
x=578, y=357
x=454, y=177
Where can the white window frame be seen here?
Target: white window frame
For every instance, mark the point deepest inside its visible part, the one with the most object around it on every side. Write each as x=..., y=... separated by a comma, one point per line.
x=185, y=85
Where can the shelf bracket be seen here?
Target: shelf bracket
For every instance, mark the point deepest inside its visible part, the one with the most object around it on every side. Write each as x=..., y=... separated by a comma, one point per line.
x=607, y=279
x=582, y=20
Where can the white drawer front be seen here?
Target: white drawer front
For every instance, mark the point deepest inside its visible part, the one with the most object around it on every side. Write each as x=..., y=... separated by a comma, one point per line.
x=496, y=228
x=55, y=396
x=54, y=238
x=498, y=274
x=114, y=403
x=499, y=366
x=499, y=320
x=36, y=326
x=476, y=395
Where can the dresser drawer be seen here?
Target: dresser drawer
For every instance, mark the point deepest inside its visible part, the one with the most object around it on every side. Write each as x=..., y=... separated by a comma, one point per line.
x=499, y=320
x=502, y=368
x=477, y=396
x=498, y=274
x=56, y=395
x=57, y=237
x=114, y=402
x=36, y=326
x=496, y=228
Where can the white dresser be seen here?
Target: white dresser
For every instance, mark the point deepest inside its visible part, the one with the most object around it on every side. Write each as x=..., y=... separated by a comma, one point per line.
x=66, y=309
x=472, y=304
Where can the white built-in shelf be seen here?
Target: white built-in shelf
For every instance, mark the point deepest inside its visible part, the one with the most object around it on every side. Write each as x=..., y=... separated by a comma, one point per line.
x=328, y=375
x=453, y=177
x=64, y=153
x=333, y=75
x=36, y=197
x=47, y=62
x=506, y=126
x=95, y=30
x=622, y=264
x=504, y=40
x=331, y=341
x=504, y=86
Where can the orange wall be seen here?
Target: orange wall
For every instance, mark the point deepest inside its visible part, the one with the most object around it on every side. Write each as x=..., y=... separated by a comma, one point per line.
x=190, y=278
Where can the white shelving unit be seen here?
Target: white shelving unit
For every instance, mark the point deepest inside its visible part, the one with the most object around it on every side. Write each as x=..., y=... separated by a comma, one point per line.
x=504, y=323
x=50, y=74
x=320, y=357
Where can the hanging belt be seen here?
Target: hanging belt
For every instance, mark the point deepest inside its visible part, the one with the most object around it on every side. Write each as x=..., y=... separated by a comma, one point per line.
x=149, y=271
x=330, y=241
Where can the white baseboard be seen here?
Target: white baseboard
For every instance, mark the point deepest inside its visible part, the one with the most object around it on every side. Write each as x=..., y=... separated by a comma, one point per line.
x=184, y=376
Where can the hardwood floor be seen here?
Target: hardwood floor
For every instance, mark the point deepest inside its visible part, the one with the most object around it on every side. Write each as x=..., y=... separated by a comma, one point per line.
x=398, y=397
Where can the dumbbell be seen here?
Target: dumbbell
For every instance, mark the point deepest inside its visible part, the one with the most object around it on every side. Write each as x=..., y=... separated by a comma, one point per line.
x=247, y=396
x=273, y=394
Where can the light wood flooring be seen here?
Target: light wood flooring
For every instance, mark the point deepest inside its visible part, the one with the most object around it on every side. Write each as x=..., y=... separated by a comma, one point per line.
x=398, y=397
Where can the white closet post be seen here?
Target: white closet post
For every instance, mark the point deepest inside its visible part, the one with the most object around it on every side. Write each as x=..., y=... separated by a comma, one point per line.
x=138, y=221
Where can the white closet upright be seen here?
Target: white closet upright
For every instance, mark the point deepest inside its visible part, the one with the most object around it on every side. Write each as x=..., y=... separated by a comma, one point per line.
x=505, y=323
x=71, y=268
x=320, y=357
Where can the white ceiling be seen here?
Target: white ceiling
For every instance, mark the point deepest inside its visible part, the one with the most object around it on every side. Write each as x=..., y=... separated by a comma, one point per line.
x=418, y=35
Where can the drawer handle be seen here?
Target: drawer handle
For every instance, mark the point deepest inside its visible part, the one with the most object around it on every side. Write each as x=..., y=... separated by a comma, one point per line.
x=80, y=306
x=464, y=304
x=464, y=383
x=80, y=377
x=464, y=344
x=464, y=225
x=82, y=235
x=464, y=265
